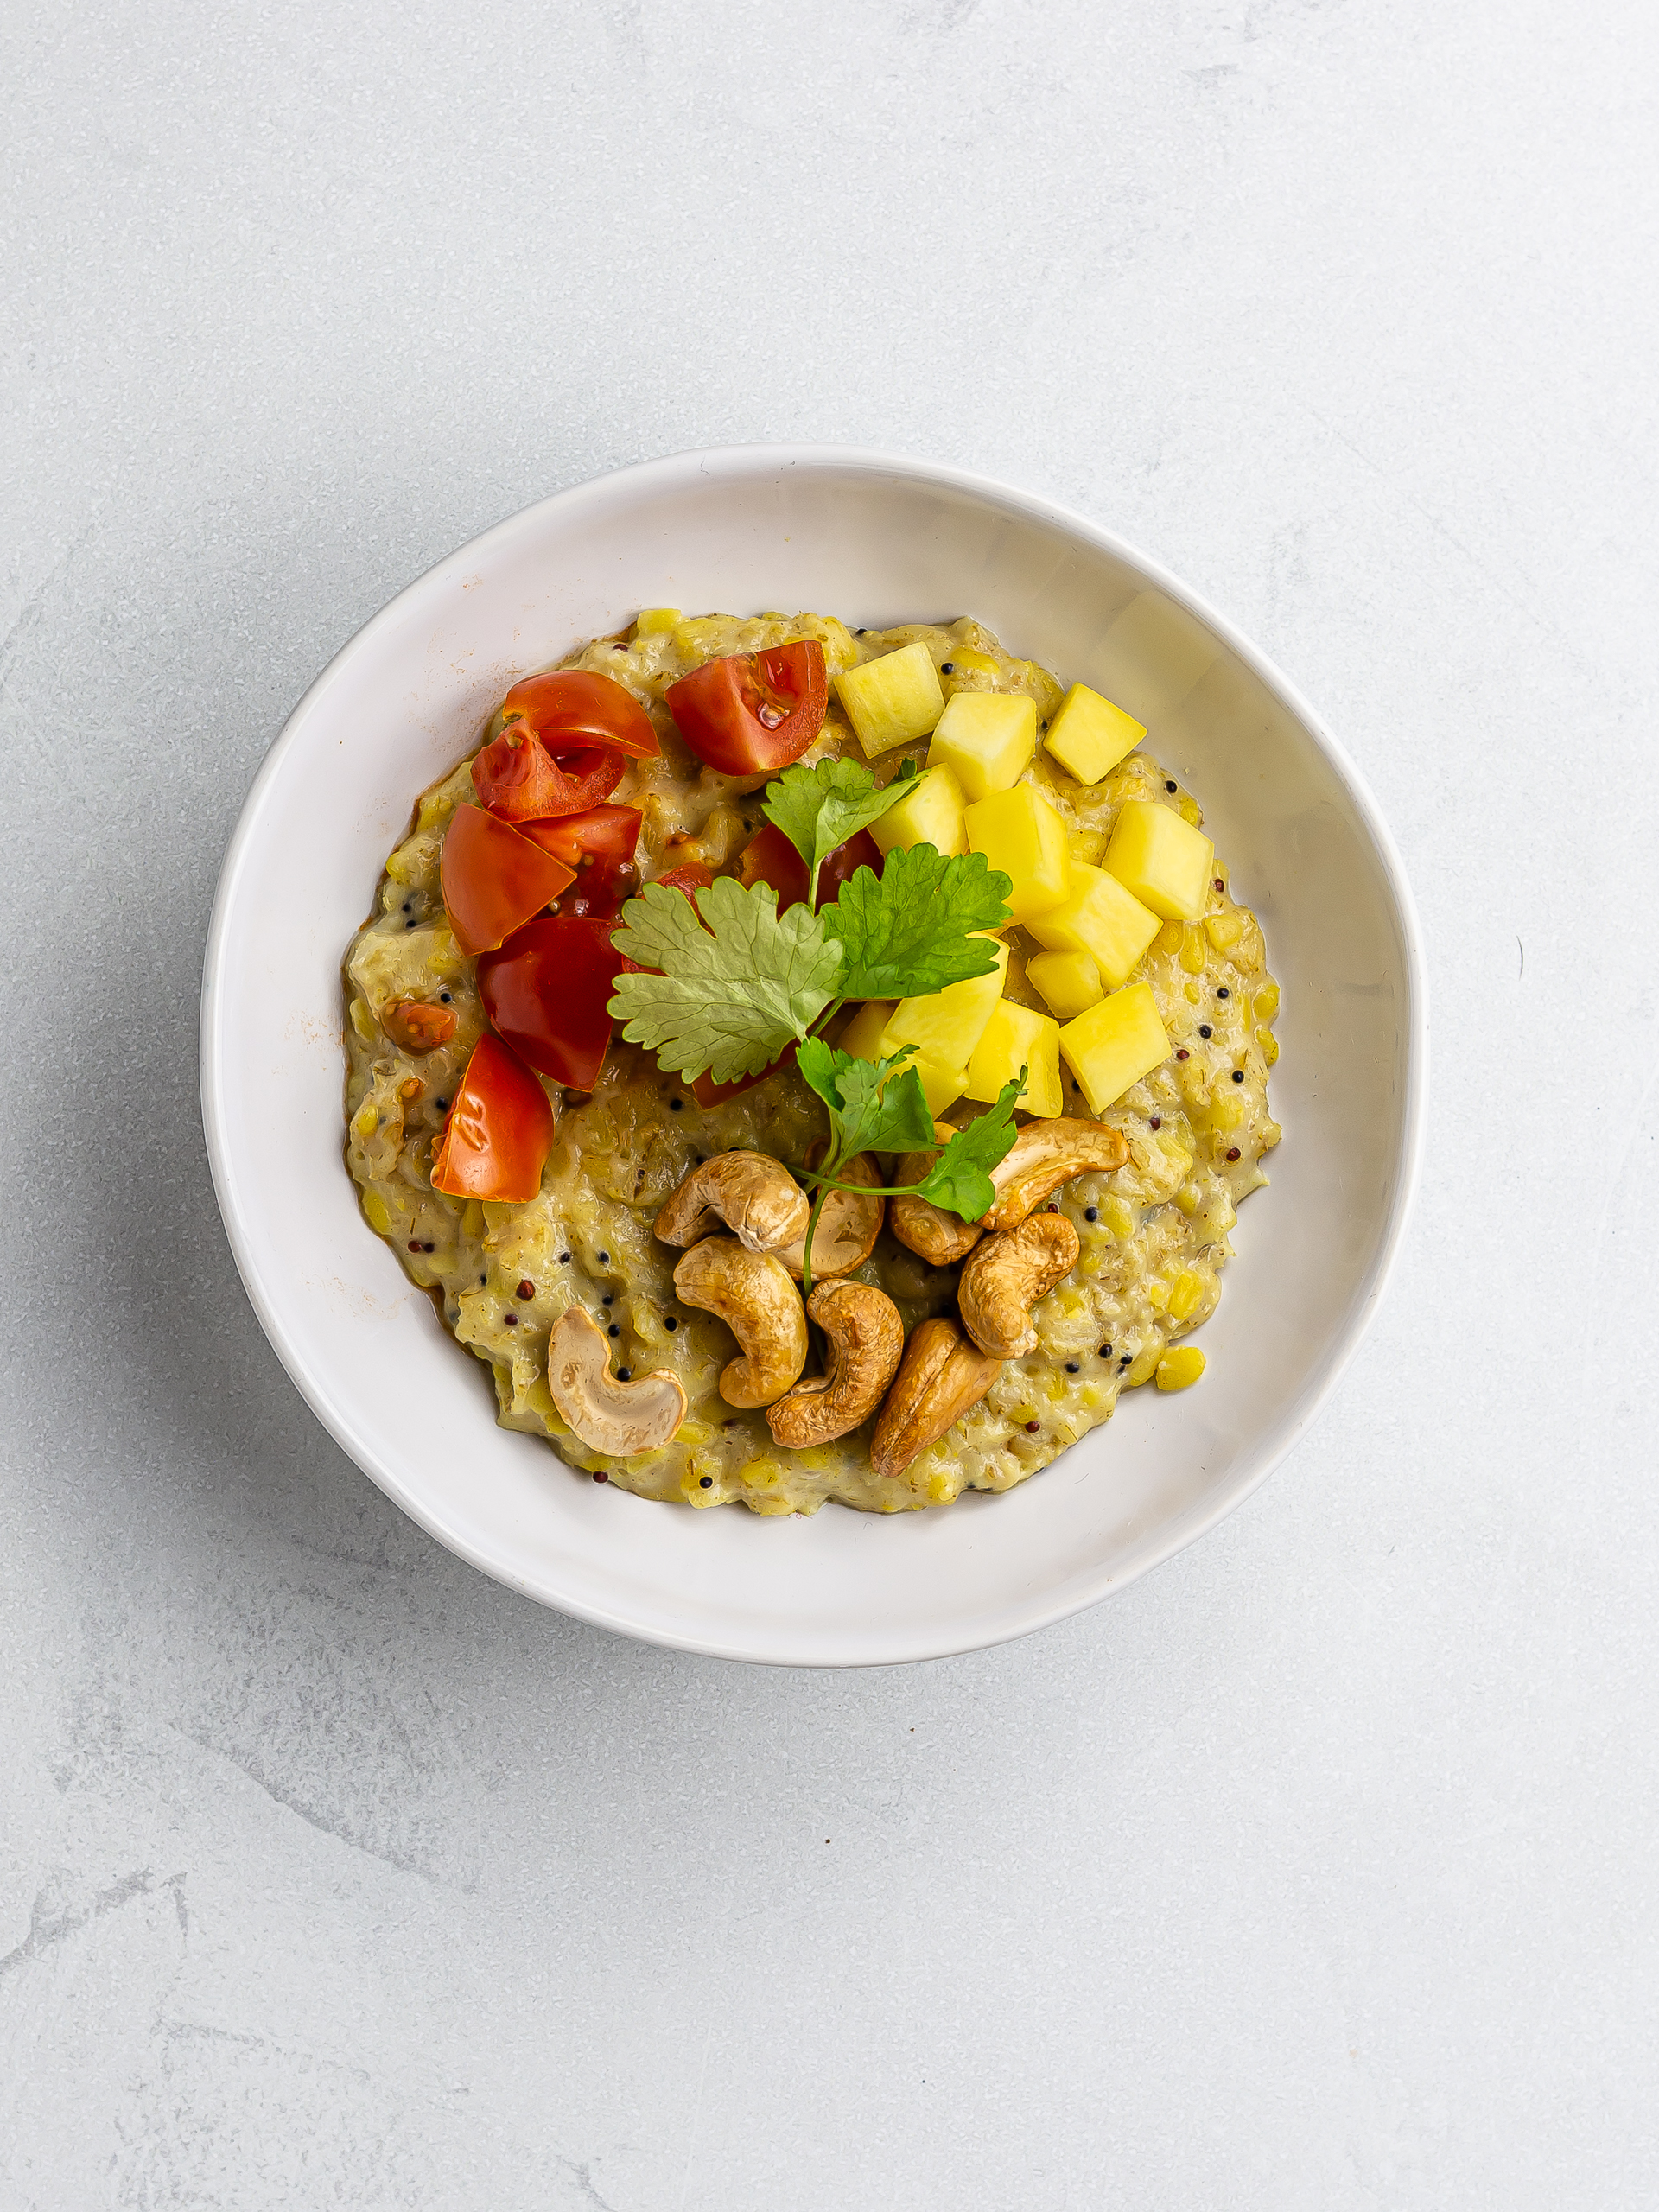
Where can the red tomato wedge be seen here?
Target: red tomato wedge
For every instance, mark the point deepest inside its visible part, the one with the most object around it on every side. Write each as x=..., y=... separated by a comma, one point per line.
x=690, y=878
x=501, y=1125
x=494, y=879
x=599, y=847
x=546, y=992
x=519, y=780
x=573, y=706
x=750, y=713
x=707, y=1092
x=769, y=857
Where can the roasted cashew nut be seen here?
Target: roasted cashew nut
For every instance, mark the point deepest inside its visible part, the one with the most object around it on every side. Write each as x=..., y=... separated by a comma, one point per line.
x=756, y=1197
x=619, y=1418
x=848, y=1224
x=751, y=1294
x=1003, y=1277
x=867, y=1342
x=943, y=1374
x=1045, y=1155
x=941, y=1237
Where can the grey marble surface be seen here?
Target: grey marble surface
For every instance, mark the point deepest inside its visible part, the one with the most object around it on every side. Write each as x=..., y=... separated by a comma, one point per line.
x=1317, y=1870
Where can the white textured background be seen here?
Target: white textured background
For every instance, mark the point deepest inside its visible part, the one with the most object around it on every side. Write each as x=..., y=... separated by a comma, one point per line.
x=1315, y=1871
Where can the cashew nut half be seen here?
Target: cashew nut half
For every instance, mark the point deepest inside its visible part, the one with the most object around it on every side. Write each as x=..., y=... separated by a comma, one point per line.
x=756, y=1197
x=941, y=1237
x=1046, y=1154
x=620, y=1418
x=1003, y=1277
x=943, y=1374
x=867, y=1342
x=751, y=1294
x=847, y=1224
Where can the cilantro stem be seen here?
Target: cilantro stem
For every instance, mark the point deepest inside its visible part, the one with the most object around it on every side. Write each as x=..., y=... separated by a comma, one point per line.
x=806, y=1248
x=869, y=1190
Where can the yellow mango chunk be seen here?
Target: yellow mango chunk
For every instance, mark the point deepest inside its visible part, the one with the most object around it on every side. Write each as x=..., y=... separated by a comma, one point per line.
x=892, y=700
x=941, y=1087
x=987, y=739
x=1100, y=918
x=1015, y=1037
x=945, y=1026
x=1115, y=1044
x=1069, y=982
x=966, y=661
x=1089, y=735
x=932, y=814
x=1165, y=861
x=1021, y=833
x=651, y=620
x=862, y=1035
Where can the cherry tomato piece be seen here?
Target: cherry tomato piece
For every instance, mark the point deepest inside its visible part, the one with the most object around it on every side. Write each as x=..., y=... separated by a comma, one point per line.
x=691, y=878
x=501, y=1125
x=599, y=847
x=546, y=992
x=750, y=713
x=840, y=866
x=570, y=706
x=707, y=1092
x=519, y=780
x=416, y=1025
x=769, y=857
x=494, y=879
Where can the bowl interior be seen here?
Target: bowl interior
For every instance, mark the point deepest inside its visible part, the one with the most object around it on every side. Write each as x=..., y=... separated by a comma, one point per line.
x=875, y=542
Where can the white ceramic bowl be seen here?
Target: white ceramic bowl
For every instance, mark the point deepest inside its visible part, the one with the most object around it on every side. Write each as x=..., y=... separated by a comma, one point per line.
x=876, y=540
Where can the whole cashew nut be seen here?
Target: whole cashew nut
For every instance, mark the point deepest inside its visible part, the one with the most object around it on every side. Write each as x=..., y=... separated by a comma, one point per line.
x=751, y=1294
x=756, y=1197
x=942, y=1238
x=867, y=1342
x=943, y=1374
x=1046, y=1154
x=847, y=1224
x=620, y=1418
x=1003, y=1277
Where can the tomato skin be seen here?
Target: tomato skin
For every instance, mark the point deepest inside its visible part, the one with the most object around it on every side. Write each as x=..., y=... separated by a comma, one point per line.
x=769, y=857
x=599, y=847
x=501, y=1125
x=493, y=879
x=707, y=1092
x=722, y=707
x=517, y=779
x=546, y=992
x=570, y=707
x=691, y=878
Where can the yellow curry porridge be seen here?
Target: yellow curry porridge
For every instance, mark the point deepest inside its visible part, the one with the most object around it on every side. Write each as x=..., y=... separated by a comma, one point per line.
x=1114, y=1007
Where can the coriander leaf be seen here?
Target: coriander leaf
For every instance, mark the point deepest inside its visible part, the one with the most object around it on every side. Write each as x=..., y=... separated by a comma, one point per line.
x=908, y=932
x=874, y=1105
x=820, y=807
x=734, y=988
x=960, y=1177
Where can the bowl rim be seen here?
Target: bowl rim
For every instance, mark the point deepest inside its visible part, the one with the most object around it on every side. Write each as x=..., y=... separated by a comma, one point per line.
x=671, y=472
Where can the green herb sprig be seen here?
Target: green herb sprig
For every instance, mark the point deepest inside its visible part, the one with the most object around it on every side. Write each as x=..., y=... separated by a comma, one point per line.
x=878, y=1106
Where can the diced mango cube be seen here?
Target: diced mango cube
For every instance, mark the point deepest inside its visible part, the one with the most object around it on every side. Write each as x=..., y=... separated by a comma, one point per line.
x=862, y=1035
x=1021, y=833
x=1070, y=982
x=932, y=814
x=1089, y=734
x=1162, y=860
x=987, y=737
x=1115, y=1044
x=652, y=620
x=892, y=700
x=945, y=1026
x=941, y=1087
x=1015, y=1037
x=1100, y=918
